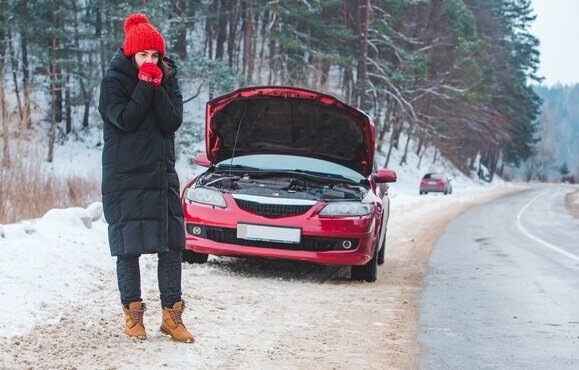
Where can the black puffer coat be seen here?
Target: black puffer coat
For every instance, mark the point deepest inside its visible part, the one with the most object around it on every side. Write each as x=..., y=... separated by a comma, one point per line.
x=140, y=186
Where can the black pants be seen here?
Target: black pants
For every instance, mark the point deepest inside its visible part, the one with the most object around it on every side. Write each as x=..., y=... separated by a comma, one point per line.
x=168, y=276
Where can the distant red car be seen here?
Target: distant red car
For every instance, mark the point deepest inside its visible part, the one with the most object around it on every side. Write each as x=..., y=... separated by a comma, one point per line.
x=435, y=183
x=291, y=175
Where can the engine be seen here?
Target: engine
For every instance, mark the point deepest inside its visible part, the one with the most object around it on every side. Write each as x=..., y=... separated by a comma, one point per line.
x=284, y=186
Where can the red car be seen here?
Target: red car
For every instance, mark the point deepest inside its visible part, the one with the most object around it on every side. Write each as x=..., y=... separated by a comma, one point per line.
x=291, y=175
x=435, y=183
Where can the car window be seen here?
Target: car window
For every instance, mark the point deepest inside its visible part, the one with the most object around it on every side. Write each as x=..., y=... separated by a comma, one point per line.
x=291, y=163
x=434, y=176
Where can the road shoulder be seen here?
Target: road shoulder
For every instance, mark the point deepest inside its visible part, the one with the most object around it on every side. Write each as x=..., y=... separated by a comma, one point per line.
x=572, y=202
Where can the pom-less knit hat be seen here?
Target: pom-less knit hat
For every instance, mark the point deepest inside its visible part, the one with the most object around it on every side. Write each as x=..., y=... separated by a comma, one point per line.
x=141, y=35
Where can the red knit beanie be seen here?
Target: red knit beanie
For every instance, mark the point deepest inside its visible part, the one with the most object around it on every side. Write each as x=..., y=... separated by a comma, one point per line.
x=141, y=35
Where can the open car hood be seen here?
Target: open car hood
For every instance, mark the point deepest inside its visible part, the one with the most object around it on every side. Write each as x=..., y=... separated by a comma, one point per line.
x=289, y=120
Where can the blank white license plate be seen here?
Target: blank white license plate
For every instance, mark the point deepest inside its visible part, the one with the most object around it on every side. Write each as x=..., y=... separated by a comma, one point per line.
x=269, y=233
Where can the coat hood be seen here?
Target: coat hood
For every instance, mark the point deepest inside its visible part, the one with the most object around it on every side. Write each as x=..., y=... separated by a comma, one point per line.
x=289, y=120
x=122, y=64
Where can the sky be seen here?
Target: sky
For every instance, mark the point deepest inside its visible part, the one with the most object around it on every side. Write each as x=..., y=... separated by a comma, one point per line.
x=557, y=28
x=60, y=304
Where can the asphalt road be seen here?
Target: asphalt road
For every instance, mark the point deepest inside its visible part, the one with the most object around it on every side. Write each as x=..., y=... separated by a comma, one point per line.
x=502, y=291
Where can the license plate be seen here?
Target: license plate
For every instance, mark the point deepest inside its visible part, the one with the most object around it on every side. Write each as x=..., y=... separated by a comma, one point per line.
x=269, y=233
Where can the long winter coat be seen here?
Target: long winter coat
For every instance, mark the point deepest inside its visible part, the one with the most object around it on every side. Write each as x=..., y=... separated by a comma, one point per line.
x=140, y=186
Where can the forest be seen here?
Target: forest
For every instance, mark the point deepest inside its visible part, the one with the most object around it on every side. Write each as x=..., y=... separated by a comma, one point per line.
x=450, y=74
x=556, y=155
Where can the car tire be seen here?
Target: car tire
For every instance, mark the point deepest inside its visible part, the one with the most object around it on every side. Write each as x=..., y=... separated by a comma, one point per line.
x=367, y=272
x=193, y=257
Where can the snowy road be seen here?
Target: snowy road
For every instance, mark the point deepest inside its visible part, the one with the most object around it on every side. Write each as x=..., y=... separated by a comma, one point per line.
x=61, y=307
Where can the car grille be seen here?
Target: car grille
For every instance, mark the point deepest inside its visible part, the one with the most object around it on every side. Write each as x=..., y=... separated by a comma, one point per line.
x=272, y=210
x=307, y=243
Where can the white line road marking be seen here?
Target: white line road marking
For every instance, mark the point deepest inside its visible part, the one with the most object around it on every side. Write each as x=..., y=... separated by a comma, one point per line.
x=539, y=240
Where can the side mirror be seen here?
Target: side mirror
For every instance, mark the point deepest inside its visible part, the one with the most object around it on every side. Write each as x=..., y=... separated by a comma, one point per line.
x=202, y=160
x=385, y=175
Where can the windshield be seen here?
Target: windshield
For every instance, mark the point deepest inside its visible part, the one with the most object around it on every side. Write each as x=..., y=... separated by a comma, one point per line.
x=278, y=162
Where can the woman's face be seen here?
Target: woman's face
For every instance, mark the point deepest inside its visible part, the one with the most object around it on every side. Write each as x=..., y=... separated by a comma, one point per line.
x=146, y=56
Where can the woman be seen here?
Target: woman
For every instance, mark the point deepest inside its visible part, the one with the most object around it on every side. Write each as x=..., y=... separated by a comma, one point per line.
x=142, y=107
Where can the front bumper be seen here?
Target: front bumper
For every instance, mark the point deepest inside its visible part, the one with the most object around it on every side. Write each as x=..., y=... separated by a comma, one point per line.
x=358, y=256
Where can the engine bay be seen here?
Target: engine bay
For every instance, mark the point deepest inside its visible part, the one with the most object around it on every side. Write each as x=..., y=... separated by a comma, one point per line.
x=283, y=185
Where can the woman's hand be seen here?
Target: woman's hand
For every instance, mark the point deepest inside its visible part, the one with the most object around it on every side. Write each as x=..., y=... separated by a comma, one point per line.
x=151, y=73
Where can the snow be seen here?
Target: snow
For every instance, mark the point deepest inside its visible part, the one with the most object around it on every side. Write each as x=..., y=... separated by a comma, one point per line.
x=57, y=270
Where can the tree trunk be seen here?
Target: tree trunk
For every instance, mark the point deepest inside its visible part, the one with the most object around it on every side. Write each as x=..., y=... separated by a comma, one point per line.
x=27, y=100
x=420, y=157
x=396, y=131
x=209, y=33
x=233, y=11
x=388, y=155
x=393, y=139
x=248, y=42
x=420, y=143
x=348, y=81
x=384, y=128
x=86, y=97
x=98, y=33
x=3, y=108
x=55, y=71
x=5, y=127
x=179, y=15
x=272, y=45
x=14, y=63
x=68, y=106
x=263, y=35
x=221, y=29
x=54, y=97
x=362, y=29
x=404, y=158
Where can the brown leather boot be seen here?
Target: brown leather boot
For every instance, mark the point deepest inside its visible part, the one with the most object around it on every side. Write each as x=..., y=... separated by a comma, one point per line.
x=134, y=320
x=172, y=324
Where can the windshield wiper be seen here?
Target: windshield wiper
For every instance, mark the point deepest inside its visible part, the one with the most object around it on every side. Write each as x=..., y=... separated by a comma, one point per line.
x=235, y=167
x=325, y=176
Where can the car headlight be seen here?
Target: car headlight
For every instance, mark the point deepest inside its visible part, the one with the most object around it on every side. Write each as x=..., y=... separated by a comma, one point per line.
x=206, y=196
x=347, y=209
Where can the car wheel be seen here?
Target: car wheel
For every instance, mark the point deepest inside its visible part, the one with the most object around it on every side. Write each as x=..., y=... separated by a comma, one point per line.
x=367, y=272
x=193, y=257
